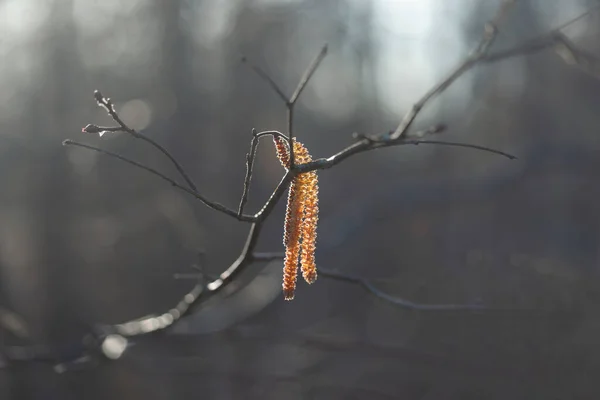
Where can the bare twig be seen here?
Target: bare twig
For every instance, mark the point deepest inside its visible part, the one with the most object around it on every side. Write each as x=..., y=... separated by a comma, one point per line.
x=481, y=55
x=368, y=144
x=291, y=102
x=489, y=35
x=249, y=164
x=308, y=74
x=200, y=290
x=212, y=204
x=578, y=18
x=107, y=104
x=267, y=78
x=369, y=287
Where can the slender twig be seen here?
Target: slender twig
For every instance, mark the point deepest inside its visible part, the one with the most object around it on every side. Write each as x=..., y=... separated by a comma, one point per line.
x=191, y=299
x=212, y=204
x=489, y=35
x=368, y=145
x=274, y=134
x=249, y=164
x=107, y=104
x=276, y=195
x=290, y=102
x=308, y=74
x=369, y=287
x=481, y=55
x=578, y=18
x=267, y=78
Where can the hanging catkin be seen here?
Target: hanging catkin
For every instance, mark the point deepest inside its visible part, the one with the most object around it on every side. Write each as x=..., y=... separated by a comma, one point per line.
x=301, y=217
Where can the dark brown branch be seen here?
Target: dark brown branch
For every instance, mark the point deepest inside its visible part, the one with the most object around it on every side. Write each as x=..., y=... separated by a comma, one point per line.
x=212, y=204
x=368, y=144
x=563, y=46
x=274, y=134
x=291, y=102
x=588, y=63
x=264, y=212
x=577, y=18
x=201, y=290
x=489, y=35
x=267, y=78
x=249, y=165
x=529, y=47
x=369, y=287
x=308, y=74
x=107, y=104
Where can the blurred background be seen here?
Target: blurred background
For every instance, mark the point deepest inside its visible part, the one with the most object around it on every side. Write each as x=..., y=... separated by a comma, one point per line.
x=87, y=239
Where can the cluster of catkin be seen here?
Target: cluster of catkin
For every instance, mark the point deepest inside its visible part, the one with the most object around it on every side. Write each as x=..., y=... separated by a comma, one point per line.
x=301, y=217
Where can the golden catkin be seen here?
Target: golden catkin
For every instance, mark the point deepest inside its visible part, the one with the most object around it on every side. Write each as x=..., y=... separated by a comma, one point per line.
x=290, y=270
x=300, y=221
x=309, y=229
x=292, y=215
x=292, y=231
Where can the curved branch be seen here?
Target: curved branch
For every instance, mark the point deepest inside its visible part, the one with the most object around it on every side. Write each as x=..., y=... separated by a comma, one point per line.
x=369, y=287
x=368, y=144
x=212, y=204
x=191, y=299
x=107, y=104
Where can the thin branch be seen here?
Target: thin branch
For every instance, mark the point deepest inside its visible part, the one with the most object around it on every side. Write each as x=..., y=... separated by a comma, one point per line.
x=578, y=18
x=481, y=55
x=489, y=35
x=107, y=104
x=249, y=165
x=368, y=144
x=397, y=301
x=212, y=204
x=274, y=134
x=529, y=47
x=336, y=275
x=200, y=291
x=291, y=102
x=264, y=212
x=267, y=78
x=308, y=74
x=564, y=47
